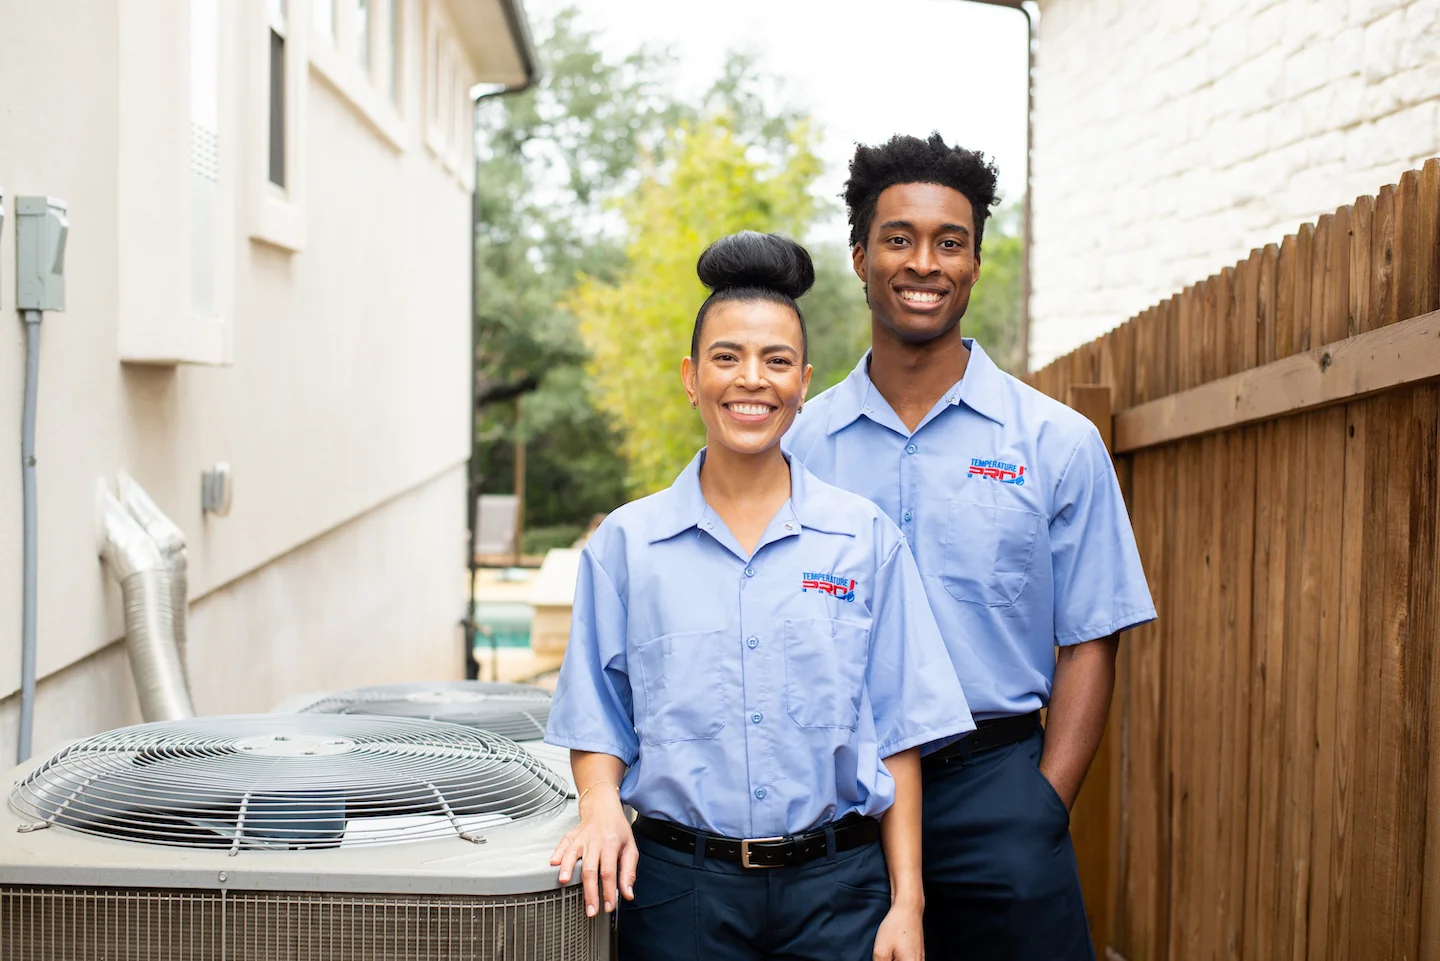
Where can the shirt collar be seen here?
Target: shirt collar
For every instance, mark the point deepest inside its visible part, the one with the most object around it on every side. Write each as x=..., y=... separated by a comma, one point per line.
x=981, y=389
x=682, y=504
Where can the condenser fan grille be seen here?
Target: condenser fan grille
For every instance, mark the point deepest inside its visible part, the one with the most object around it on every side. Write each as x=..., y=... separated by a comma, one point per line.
x=516, y=711
x=278, y=781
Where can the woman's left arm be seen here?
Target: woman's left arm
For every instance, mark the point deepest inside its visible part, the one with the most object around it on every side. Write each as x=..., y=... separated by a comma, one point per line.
x=902, y=936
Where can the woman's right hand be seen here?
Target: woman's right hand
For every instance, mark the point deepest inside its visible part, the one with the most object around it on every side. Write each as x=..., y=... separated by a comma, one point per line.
x=605, y=847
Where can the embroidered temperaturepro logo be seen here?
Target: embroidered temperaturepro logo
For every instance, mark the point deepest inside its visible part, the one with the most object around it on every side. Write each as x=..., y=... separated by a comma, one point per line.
x=998, y=470
x=840, y=588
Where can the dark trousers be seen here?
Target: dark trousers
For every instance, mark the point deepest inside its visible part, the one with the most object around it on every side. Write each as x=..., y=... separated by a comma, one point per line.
x=692, y=908
x=1000, y=876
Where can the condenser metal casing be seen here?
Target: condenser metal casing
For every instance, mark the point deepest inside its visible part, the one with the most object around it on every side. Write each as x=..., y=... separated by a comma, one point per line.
x=68, y=895
x=516, y=711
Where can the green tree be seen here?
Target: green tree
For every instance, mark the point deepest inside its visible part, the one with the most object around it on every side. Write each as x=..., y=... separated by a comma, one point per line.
x=993, y=317
x=637, y=327
x=553, y=162
x=550, y=160
x=836, y=316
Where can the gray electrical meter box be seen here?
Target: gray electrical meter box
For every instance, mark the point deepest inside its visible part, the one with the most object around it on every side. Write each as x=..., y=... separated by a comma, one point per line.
x=40, y=233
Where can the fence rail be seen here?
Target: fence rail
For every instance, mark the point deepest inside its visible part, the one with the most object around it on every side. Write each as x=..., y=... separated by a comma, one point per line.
x=1269, y=786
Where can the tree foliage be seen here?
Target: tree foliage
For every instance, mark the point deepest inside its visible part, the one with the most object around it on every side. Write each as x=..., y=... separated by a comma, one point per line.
x=993, y=317
x=637, y=327
x=550, y=160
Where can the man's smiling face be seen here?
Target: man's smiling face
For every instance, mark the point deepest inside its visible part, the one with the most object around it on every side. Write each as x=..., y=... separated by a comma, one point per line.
x=919, y=262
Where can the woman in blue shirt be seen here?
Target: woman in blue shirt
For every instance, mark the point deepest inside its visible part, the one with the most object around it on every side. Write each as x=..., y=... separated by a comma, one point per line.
x=752, y=667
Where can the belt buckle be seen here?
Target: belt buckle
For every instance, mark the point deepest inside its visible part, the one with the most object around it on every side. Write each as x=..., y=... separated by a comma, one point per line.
x=745, y=851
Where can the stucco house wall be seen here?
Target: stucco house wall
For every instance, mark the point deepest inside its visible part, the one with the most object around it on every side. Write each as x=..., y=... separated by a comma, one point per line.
x=322, y=353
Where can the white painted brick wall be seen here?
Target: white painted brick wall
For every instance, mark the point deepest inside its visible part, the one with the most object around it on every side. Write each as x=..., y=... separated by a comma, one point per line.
x=1173, y=137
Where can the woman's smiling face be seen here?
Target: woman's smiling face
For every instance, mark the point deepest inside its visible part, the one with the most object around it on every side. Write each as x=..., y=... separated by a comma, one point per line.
x=750, y=376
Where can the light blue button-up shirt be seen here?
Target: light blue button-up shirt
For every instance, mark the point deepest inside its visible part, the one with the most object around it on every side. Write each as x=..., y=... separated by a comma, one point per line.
x=753, y=695
x=1010, y=502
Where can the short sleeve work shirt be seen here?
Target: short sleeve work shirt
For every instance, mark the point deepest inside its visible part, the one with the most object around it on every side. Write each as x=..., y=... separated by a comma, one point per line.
x=753, y=695
x=1011, y=505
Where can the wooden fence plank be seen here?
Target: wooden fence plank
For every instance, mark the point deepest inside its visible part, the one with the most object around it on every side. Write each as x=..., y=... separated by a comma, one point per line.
x=1418, y=637
x=1285, y=313
x=1401, y=354
x=1320, y=271
x=1409, y=261
x=1237, y=572
x=1326, y=513
x=1321, y=579
x=1247, y=306
x=1382, y=259
x=1427, y=257
x=1335, y=320
x=1349, y=705
x=1362, y=229
x=1429, y=261
x=1304, y=268
x=1366, y=925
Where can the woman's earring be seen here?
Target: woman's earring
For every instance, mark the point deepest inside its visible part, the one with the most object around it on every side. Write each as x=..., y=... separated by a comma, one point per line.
x=694, y=405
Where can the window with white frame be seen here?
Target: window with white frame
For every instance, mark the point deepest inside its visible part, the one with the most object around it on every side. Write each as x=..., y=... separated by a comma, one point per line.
x=448, y=106
x=322, y=19
x=363, y=13
x=394, y=39
x=276, y=182
x=366, y=62
x=277, y=92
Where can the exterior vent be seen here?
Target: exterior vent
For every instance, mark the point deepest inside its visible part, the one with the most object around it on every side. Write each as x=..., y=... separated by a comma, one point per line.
x=90, y=924
x=288, y=782
x=516, y=711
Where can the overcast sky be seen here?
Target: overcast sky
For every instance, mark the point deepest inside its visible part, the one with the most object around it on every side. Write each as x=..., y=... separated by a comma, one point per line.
x=865, y=69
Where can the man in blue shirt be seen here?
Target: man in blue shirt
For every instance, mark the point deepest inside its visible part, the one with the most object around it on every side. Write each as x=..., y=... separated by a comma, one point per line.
x=1011, y=505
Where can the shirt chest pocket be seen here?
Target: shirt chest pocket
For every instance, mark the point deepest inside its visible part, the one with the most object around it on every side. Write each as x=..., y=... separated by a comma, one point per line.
x=988, y=552
x=825, y=663
x=689, y=683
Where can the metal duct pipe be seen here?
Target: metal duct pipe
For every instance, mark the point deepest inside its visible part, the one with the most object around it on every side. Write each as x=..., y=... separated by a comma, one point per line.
x=136, y=562
x=171, y=540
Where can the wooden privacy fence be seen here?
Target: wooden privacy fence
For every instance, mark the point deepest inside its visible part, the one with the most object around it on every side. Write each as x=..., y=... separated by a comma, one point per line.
x=1269, y=786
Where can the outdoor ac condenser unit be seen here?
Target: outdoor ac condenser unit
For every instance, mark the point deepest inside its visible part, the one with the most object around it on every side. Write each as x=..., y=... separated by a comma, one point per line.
x=289, y=838
x=516, y=711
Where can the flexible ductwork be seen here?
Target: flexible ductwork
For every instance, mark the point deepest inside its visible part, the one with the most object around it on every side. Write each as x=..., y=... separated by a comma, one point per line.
x=171, y=540
x=136, y=562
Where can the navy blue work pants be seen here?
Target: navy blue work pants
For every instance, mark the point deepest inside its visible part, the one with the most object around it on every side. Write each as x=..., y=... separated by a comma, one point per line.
x=692, y=908
x=1000, y=876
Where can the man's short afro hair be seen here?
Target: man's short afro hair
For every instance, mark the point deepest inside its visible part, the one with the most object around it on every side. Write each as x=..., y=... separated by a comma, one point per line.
x=910, y=160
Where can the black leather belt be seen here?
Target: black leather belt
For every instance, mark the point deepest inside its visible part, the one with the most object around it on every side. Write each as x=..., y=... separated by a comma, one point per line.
x=987, y=736
x=851, y=831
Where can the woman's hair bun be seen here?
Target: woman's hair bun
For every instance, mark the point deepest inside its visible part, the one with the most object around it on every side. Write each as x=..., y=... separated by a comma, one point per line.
x=750, y=260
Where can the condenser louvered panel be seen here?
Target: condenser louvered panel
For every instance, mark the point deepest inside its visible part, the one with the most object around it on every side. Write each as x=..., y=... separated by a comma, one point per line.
x=108, y=924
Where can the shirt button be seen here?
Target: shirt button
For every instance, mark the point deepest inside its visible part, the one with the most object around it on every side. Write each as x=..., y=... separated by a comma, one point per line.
x=756, y=718
x=749, y=572
x=910, y=449
x=907, y=515
x=760, y=794
x=754, y=642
